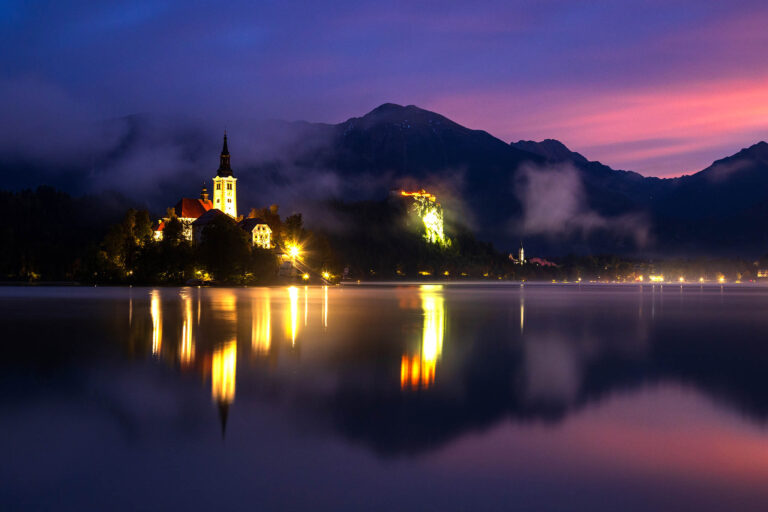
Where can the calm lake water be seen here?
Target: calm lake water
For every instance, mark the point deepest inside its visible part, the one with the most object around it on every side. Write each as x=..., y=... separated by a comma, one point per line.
x=432, y=397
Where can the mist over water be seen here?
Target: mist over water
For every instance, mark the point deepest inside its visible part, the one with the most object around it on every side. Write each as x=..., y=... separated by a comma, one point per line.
x=442, y=396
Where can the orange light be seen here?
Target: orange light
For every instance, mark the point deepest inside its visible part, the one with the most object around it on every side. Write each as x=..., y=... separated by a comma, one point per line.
x=418, y=193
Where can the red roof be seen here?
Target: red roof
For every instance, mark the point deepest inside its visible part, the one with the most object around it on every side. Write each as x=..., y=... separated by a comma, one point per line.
x=192, y=208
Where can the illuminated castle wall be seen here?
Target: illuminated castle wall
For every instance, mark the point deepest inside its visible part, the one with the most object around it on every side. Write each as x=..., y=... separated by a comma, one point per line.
x=425, y=205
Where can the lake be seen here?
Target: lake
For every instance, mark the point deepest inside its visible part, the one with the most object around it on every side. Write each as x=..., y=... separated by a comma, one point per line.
x=385, y=397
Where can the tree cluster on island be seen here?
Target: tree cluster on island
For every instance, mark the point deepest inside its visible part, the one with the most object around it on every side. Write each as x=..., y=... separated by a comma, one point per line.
x=49, y=236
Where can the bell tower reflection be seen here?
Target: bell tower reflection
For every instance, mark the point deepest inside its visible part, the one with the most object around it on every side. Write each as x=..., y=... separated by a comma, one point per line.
x=223, y=374
x=418, y=371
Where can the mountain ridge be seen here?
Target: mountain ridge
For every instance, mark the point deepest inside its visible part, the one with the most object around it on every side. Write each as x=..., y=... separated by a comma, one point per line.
x=497, y=188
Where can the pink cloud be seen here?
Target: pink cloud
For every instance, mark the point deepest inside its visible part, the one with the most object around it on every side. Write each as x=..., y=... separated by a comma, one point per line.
x=716, y=114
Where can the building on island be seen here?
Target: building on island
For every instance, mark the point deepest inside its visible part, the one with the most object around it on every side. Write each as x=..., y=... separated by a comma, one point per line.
x=201, y=222
x=195, y=214
x=259, y=232
x=225, y=185
x=520, y=260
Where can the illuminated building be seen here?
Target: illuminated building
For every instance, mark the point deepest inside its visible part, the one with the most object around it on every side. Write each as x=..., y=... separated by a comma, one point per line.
x=225, y=184
x=418, y=371
x=425, y=205
x=520, y=260
x=199, y=224
x=188, y=210
x=258, y=231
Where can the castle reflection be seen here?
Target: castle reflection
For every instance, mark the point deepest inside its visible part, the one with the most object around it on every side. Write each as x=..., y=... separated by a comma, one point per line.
x=418, y=371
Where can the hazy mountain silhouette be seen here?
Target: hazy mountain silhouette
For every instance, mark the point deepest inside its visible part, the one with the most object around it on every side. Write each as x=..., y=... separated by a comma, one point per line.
x=555, y=199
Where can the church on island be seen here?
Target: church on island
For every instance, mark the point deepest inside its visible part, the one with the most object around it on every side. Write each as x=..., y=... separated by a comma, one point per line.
x=196, y=214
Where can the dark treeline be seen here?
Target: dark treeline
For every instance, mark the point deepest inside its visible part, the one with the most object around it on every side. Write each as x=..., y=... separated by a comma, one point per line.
x=46, y=234
x=49, y=236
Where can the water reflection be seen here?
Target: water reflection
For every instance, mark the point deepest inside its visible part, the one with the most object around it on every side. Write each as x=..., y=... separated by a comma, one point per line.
x=157, y=323
x=261, y=332
x=437, y=376
x=187, y=347
x=292, y=315
x=418, y=370
x=223, y=376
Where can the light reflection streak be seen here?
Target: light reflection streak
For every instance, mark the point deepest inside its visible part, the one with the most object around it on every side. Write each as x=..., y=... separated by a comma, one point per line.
x=306, y=307
x=419, y=371
x=223, y=372
x=292, y=318
x=261, y=330
x=522, y=313
x=157, y=322
x=325, y=306
x=187, y=347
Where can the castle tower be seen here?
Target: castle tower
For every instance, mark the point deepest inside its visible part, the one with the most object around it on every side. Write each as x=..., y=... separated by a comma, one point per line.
x=225, y=185
x=521, y=254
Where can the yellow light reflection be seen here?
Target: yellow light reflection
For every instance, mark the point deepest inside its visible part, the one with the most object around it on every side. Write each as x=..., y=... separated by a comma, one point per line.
x=325, y=306
x=223, y=372
x=306, y=307
x=261, y=331
x=187, y=347
x=291, y=324
x=522, y=313
x=157, y=322
x=419, y=371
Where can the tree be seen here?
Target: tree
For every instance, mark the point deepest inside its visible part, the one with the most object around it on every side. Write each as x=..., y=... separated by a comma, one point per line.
x=225, y=250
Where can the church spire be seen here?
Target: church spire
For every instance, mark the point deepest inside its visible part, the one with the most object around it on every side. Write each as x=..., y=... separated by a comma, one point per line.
x=224, y=169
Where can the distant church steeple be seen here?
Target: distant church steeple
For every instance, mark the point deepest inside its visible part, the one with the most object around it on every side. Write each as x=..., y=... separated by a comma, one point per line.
x=225, y=170
x=225, y=184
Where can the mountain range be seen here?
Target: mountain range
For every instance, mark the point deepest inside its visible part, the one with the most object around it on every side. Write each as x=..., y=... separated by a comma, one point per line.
x=553, y=199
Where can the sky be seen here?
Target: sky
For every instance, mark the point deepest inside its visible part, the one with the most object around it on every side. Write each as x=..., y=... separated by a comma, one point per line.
x=659, y=87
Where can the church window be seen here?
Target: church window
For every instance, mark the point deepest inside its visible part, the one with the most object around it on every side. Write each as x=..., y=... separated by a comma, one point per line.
x=229, y=200
x=218, y=186
x=229, y=186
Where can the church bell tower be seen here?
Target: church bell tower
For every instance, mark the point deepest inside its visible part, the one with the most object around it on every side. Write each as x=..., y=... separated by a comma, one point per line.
x=225, y=185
